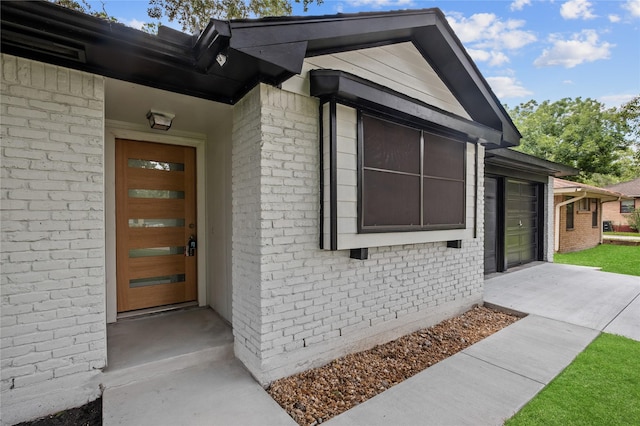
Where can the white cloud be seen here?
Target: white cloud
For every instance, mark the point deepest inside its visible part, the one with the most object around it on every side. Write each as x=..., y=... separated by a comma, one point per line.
x=582, y=47
x=614, y=18
x=507, y=87
x=519, y=4
x=493, y=58
x=616, y=101
x=633, y=6
x=577, y=9
x=487, y=31
x=133, y=23
x=567, y=82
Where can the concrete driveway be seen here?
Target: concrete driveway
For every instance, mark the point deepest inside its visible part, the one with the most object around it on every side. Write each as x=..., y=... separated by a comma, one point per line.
x=573, y=294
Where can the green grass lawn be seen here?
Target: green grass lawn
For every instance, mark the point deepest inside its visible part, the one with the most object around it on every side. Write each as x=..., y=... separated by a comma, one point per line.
x=626, y=234
x=611, y=258
x=601, y=387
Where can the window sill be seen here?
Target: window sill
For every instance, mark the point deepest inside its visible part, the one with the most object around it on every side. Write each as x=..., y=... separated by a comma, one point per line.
x=351, y=241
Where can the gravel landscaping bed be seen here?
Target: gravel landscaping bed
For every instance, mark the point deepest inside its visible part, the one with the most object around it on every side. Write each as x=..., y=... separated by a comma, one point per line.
x=316, y=395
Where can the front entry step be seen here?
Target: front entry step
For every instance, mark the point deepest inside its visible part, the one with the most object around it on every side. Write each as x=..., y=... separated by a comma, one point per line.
x=141, y=348
x=214, y=393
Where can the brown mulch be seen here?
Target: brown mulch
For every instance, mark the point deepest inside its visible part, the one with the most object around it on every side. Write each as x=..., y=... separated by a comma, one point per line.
x=316, y=395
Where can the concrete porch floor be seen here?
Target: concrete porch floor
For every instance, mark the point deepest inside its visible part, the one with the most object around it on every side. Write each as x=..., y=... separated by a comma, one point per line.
x=160, y=343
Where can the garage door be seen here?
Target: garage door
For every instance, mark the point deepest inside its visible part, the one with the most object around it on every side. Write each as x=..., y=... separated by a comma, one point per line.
x=521, y=239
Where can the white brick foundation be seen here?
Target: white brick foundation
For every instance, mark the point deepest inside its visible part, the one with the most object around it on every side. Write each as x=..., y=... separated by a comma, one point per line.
x=296, y=306
x=52, y=288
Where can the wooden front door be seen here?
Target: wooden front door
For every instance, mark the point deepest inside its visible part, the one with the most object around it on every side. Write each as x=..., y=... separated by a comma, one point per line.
x=155, y=218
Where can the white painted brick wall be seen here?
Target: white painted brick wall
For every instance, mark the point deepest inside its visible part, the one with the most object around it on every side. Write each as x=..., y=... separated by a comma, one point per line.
x=549, y=221
x=306, y=305
x=52, y=288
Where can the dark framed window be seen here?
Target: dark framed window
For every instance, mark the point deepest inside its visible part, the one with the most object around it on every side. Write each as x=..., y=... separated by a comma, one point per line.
x=410, y=179
x=569, y=221
x=594, y=213
x=626, y=206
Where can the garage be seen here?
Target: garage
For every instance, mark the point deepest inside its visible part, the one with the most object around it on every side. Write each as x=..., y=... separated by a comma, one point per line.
x=518, y=204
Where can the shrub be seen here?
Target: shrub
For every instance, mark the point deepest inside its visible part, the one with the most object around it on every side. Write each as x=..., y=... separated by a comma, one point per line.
x=633, y=219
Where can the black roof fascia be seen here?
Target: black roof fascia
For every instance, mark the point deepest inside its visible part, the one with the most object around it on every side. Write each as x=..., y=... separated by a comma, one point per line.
x=355, y=90
x=426, y=28
x=171, y=61
x=331, y=33
x=508, y=158
x=266, y=50
x=447, y=56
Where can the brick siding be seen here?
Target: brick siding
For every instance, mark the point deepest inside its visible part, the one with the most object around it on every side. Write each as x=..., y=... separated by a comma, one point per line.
x=611, y=211
x=583, y=235
x=52, y=288
x=296, y=306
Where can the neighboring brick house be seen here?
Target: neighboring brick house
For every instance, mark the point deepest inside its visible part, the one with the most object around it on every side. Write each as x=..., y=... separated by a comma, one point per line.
x=578, y=213
x=316, y=235
x=616, y=211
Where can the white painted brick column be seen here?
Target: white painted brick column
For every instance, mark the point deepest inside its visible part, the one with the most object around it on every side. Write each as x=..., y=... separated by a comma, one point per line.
x=52, y=288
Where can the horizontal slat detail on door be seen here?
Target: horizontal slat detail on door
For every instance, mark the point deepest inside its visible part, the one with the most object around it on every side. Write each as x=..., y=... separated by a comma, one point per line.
x=146, y=267
x=145, y=208
x=155, y=152
x=156, y=237
x=163, y=294
x=155, y=179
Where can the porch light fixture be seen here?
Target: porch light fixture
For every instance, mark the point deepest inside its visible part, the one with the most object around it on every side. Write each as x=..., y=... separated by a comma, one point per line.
x=221, y=58
x=160, y=120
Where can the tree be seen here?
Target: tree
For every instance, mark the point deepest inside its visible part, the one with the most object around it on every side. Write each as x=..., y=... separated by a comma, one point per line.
x=84, y=7
x=630, y=113
x=194, y=15
x=575, y=132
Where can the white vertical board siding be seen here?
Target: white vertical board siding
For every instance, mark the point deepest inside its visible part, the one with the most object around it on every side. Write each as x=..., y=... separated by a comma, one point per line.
x=400, y=67
x=347, y=173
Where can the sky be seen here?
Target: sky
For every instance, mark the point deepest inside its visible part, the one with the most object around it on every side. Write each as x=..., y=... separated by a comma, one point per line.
x=525, y=49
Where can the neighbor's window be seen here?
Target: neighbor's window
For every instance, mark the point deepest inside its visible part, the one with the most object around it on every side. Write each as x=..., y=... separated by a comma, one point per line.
x=584, y=205
x=626, y=206
x=594, y=213
x=411, y=179
x=569, y=215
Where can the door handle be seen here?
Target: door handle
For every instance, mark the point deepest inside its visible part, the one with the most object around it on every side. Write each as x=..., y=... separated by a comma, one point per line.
x=191, y=246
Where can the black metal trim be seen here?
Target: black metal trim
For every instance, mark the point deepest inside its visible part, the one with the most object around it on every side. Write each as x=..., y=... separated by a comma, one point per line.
x=321, y=148
x=501, y=225
x=347, y=87
x=333, y=173
x=457, y=244
x=542, y=206
x=359, y=253
x=360, y=168
x=475, y=191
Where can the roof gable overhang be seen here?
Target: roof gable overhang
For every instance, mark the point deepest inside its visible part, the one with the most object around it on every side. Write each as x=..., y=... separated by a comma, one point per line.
x=602, y=194
x=268, y=50
x=519, y=161
x=577, y=189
